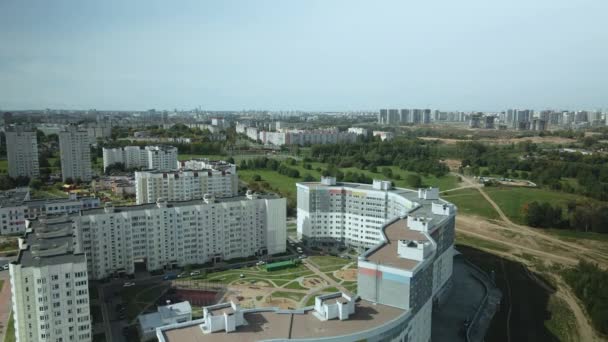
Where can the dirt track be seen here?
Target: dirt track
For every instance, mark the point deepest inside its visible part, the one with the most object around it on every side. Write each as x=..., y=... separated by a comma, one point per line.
x=522, y=239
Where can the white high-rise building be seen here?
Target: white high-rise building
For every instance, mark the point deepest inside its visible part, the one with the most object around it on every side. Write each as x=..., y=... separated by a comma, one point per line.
x=22, y=152
x=165, y=234
x=49, y=285
x=161, y=158
x=184, y=185
x=75, y=153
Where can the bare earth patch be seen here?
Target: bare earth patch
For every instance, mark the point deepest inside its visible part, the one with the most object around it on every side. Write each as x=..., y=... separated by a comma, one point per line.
x=348, y=274
x=313, y=282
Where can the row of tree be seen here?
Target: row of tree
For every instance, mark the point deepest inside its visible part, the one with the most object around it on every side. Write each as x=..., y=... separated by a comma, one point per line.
x=588, y=281
x=575, y=216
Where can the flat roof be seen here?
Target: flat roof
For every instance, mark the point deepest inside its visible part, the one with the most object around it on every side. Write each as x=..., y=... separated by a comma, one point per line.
x=268, y=325
x=387, y=254
x=50, y=242
x=148, y=206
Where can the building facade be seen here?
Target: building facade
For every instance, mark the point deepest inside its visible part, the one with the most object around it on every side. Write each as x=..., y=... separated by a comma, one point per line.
x=16, y=207
x=75, y=153
x=161, y=157
x=49, y=285
x=22, y=152
x=184, y=185
x=170, y=234
x=405, y=273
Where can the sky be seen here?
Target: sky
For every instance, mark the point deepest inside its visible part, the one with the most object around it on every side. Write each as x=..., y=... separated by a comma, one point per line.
x=303, y=55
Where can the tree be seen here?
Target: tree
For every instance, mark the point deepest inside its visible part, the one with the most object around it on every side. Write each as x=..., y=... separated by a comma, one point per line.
x=256, y=178
x=414, y=181
x=35, y=183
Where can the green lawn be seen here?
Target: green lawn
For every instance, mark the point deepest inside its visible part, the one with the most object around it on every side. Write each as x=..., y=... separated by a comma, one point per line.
x=9, y=245
x=10, y=330
x=512, y=199
x=295, y=285
x=470, y=201
x=198, y=156
x=322, y=261
x=287, y=185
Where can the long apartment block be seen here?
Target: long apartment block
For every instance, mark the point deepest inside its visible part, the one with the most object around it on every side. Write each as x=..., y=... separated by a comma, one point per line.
x=150, y=157
x=218, y=179
x=170, y=234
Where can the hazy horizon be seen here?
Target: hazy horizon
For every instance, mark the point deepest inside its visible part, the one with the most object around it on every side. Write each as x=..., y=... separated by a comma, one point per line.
x=309, y=56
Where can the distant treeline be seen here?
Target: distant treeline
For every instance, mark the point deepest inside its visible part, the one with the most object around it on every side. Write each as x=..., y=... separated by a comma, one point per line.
x=549, y=167
x=411, y=155
x=575, y=216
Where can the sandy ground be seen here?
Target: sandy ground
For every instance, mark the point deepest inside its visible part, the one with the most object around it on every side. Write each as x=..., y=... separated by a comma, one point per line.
x=347, y=274
x=522, y=240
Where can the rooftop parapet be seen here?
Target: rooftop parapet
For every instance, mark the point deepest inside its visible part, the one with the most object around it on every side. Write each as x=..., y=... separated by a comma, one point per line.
x=338, y=305
x=443, y=209
x=419, y=223
x=225, y=316
x=428, y=193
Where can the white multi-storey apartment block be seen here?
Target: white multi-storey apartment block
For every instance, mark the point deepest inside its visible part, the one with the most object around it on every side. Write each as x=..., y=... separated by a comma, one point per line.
x=307, y=137
x=170, y=234
x=49, y=285
x=22, y=152
x=150, y=157
x=75, y=153
x=184, y=185
x=401, y=277
x=16, y=207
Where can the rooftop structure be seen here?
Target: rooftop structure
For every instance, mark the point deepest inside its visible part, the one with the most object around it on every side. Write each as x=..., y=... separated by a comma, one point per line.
x=166, y=315
x=49, y=284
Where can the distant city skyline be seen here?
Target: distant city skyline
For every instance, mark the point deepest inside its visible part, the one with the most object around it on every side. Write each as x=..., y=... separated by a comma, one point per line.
x=310, y=56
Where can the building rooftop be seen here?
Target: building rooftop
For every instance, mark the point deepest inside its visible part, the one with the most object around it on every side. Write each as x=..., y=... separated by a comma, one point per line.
x=14, y=197
x=274, y=324
x=49, y=242
x=176, y=204
x=387, y=254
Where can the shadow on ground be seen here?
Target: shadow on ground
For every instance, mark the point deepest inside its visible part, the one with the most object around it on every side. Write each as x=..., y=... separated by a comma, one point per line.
x=523, y=309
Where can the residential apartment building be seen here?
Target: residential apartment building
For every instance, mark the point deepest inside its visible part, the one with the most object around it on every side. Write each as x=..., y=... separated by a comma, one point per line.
x=16, y=207
x=49, y=285
x=171, y=234
x=75, y=153
x=401, y=278
x=184, y=185
x=22, y=152
x=150, y=157
x=307, y=137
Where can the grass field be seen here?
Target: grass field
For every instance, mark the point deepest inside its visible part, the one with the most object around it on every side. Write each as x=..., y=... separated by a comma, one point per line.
x=3, y=166
x=470, y=201
x=290, y=295
x=287, y=185
x=512, y=200
x=324, y=261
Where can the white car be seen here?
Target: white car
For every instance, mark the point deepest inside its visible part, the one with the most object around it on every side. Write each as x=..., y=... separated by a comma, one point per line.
x=128, y=284
x=5, y=267
x=194, y=273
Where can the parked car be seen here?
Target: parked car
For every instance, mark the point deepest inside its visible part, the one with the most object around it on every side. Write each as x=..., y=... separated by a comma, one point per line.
x=194, y=273
x=170, y=276
x=5, y=267
x=128, y=284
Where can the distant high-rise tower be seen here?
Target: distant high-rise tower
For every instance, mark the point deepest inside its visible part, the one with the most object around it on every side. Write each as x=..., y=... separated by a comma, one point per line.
x=75, y=153
x=22, y=152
